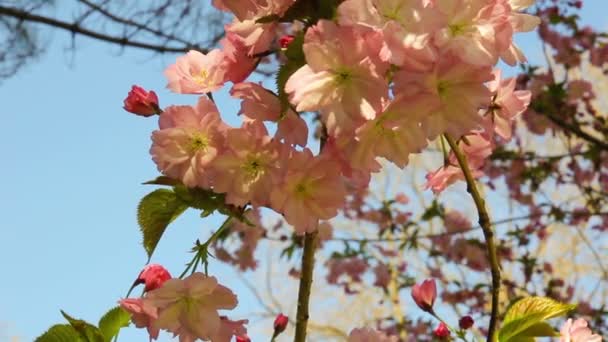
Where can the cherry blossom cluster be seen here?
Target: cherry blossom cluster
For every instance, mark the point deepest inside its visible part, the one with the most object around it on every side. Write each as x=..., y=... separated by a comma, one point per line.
x=386, y=78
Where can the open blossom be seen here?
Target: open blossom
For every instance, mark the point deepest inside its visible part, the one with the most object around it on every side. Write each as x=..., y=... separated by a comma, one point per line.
x=153, y=276
x=405, y=28
x=453, y=91
x=142, y=314
x=370, y=335
x=197, y=73
x=237, y=63
x=394, y=134
x=189, y=139
x=342, y=78
x=507, y=104
x=228, y=329
x=476, y=146
x=312, y=190
x=248, y=167
x=188, y=307
x=255, y=35
x=141, y=102
x=577, y=331
x=261, y=104
x=480, y=31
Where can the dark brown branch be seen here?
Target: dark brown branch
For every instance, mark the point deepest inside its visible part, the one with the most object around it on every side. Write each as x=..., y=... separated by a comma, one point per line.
x=77, y=29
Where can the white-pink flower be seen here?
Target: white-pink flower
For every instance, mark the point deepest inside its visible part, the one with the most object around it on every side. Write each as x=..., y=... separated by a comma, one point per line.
x=188, y=307
x=577, y=331
x=197, y=73
x=188, y=141
x=507, y=104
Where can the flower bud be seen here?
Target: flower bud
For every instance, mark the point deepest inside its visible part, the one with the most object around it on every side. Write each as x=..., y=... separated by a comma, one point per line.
x=424, y=294
x=141, y=102
x=153, y=276
x=466, y=322
x=442, y=331
x=280, y=323
x=243, y=338
x=286, y=40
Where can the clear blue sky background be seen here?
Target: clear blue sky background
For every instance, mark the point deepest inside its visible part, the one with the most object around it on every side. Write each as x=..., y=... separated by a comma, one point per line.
x=72, y=166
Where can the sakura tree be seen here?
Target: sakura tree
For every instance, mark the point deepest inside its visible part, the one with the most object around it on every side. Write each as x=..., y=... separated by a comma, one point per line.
x=376, y=101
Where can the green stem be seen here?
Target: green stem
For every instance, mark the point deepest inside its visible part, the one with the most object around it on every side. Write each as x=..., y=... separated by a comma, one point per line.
x=308, y=265
x=484, y=222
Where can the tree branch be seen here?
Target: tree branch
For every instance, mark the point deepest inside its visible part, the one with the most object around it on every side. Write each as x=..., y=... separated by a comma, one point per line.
x=75, y=28
x=484, y=222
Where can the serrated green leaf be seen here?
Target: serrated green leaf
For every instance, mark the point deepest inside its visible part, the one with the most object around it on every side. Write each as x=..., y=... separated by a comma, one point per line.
x=87, y=331
x=113, y=321
x=155, y=212
x=528, y=312
x=285, y=71
x=202, y=199
x=60, y=333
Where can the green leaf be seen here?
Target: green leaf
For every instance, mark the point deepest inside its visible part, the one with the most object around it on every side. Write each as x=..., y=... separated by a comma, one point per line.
x=87, y=331
x=542, y=329
x=60, y=333
x=202, y=199
x=163, y=180
x=113, y=321
x=154, y=213
x=527, y=313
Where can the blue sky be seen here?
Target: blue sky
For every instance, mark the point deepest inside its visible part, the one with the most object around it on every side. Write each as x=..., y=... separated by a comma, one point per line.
x=73, y=163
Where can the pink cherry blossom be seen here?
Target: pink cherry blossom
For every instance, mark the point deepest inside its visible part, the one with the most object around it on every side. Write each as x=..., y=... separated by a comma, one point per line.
x=197, y=73
x=507, y=104
x=142, y=314
x=370, y=335
x=188, y=307
x=312, y=190
x=456, y=221
x=577, y=331
x=188, y=141
x=228, y=329
x=261, y=104
x=342, y=79
x=248, y=167
x=453, y=92
x=238, y=64
x=405, y=26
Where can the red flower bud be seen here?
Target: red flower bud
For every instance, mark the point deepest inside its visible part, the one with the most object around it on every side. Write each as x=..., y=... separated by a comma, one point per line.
x=141, y=102
x=442, y=331
x=286, y=40
x=243, y=338
x=424, y=294
x=280, y=323
x=466, y=322
x=154, y=276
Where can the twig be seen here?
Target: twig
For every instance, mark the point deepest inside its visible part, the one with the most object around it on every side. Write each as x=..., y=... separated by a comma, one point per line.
x=75, y=28
x=484, y=222
x=308, y=265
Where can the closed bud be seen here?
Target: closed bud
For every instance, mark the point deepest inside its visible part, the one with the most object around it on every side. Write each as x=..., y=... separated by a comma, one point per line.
x=286, y=40
x=243, y=338
x=280, y=323
x=424, y=294
x=442, y=331
x=466, y=322
x=141, y=102
x=153, y=276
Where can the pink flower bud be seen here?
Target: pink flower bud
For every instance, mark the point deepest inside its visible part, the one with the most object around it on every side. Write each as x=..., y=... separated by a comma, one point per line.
x=286, y=40
x=442, y=331
x=280, y=323
x=141, y=102
x=424, y=294
x=466, y=322
x=154, y=276
x=243, y=338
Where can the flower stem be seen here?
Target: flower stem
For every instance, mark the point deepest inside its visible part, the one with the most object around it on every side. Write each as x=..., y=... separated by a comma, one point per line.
x=484, y=222
x=308, y=265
